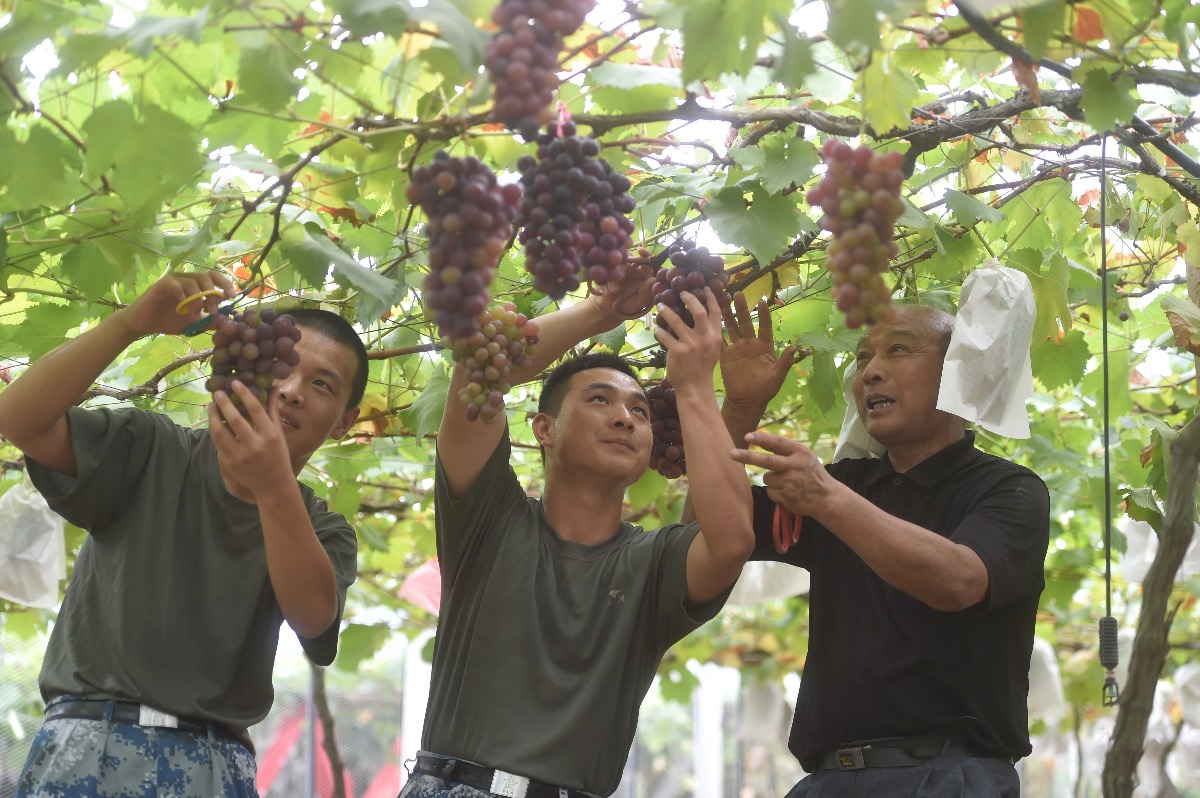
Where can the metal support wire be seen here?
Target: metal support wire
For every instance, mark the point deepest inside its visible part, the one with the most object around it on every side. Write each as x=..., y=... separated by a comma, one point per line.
x=1109, y=656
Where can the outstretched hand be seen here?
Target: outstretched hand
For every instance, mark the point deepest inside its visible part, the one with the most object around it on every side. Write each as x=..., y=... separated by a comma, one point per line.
x=155, y=311
x=795, y=477
x=750, y=369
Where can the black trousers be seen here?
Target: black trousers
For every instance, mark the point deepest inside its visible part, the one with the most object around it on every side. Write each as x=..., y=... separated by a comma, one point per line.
x=940, y=777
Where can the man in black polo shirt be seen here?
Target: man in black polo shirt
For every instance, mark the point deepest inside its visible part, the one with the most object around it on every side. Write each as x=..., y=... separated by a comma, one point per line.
x=926, y=568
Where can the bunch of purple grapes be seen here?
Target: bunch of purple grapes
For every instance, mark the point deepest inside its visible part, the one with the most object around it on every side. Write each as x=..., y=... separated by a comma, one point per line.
x=254, y=347
x=860, y=198
x=666, y=453
x=501, y=345
x=522, y=57
x=573, y=220
x=692, y=269
x=470, y=223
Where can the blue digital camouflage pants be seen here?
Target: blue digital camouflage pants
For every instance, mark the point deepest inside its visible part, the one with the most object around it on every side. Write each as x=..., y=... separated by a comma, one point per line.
x=76, y=758
x=422, y=785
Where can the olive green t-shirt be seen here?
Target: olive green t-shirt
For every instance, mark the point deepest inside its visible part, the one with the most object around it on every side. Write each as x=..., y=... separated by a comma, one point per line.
x=170, y=603
x=545, y=648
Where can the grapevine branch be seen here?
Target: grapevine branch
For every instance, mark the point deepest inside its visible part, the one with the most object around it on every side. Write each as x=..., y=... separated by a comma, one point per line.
x=147, y=388
x=993, y=37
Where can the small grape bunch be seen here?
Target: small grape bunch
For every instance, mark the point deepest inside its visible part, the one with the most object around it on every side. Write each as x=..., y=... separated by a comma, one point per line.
x=574, y=219
x=502, y=344
x=255, y=347
x=860, y=199
x=522, y=57
x=692, y=269
x=666, y=453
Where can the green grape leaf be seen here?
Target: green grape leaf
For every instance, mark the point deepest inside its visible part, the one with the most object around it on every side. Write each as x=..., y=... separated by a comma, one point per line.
x=967, y=209
x=266, y=79
x=1059, y=363
x=1105, y=102
x=425, y=414
x=787, y=160
x=359, y=642
x=761, y=222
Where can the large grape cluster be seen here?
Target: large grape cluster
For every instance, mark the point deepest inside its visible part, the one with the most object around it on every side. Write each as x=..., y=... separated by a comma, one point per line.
x=666, y=453
x=691, y=270
x=573, y=221
x=860, y=198
x=470, y=223
x=254, y=347
x=522, y=57
x=502, y=344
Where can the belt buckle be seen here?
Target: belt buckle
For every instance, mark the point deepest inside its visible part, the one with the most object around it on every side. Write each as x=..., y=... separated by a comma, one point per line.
x=851, y=758
x=149, y=716
x=508, y=784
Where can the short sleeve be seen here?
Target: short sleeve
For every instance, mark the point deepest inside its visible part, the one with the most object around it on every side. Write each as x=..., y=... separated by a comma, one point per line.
x=764, y=533
x=1009, y=528
x=114, y=450
x=460, y=522
x=679, y=617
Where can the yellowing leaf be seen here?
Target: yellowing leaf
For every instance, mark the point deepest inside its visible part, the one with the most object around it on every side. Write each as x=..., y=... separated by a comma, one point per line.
x=1087, y=27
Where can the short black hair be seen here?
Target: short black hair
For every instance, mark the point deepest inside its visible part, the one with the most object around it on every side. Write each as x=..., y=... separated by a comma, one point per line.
x=554, y=387
x=331, y=325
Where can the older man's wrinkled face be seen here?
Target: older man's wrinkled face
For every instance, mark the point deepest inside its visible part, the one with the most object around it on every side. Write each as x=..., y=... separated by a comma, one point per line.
x=897, y=377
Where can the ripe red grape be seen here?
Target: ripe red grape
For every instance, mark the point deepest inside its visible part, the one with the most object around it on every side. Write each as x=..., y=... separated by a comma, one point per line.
x=692, y=269
x=573, y=220
x=255, y=347
x=666, y=453
x=470, y=223
x=501, y=344
x=860, y=198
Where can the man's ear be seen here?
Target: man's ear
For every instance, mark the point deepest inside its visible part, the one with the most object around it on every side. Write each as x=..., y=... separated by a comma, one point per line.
x=543, y=429
x=345, y=423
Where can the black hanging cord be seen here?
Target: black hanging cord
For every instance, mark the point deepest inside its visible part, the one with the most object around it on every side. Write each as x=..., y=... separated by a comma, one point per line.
x=1108, y=624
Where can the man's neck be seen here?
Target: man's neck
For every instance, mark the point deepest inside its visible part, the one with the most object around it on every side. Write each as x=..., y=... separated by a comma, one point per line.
x=906, y=457
x=588, y=514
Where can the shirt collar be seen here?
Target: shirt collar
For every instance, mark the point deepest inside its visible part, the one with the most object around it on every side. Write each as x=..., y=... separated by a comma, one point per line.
x=933, y=469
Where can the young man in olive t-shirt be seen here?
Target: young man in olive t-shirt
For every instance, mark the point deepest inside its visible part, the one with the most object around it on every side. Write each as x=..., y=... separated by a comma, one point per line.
x=201, y=543
x=555, y=612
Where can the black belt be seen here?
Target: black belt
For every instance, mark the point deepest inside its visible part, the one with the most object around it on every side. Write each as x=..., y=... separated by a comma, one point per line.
x=481, y=778
x=131, y=712
x=893, y=753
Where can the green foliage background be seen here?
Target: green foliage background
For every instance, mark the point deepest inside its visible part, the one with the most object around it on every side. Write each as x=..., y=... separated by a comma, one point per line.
x=275, y=140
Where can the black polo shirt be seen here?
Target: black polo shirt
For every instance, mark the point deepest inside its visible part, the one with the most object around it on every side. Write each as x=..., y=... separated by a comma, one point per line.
x=883, y=664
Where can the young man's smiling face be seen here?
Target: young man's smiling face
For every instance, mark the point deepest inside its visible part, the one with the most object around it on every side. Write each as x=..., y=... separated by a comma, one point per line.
x=312, y=399
x=602, y=425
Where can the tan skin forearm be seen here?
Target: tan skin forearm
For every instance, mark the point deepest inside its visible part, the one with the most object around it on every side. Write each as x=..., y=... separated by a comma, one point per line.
x=300, y=572
x=738, y=422
x=943, y=574
x=719, y=495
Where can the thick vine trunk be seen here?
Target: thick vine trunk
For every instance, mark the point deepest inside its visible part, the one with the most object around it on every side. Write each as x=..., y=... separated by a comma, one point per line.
x=1154, y=622
x=328, y=739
